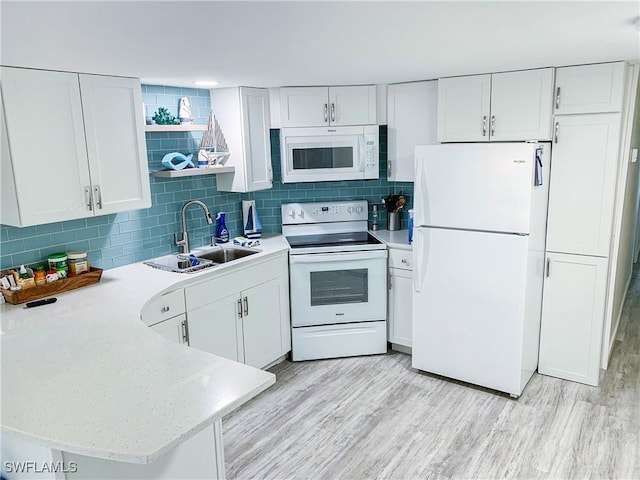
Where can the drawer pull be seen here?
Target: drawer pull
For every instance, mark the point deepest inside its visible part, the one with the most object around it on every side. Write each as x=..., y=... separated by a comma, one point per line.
x=404, y=260
x=165, y=309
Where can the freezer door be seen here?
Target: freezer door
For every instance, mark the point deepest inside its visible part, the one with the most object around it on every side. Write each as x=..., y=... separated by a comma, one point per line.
x=475, y=186
x=469, y=306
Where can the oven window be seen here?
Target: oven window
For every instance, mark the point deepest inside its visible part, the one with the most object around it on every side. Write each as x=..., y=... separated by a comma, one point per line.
x=339, y=286
x=327, y=157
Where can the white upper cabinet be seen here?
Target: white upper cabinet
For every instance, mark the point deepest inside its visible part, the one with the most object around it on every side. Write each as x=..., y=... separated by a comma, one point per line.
x=510, y=106
x=589, y=88
x=464, y=108
x=583, y=182
x=412, y=112
x=115, y=143
x=73, y=146
x=521, y=105
x=243, y=115
x=322, y=106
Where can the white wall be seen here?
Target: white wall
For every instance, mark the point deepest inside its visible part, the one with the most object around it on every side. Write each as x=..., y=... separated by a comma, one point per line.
x=626, y=238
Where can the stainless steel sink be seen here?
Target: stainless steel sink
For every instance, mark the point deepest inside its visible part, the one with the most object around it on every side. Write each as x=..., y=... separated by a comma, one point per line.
x=181, y=263
x=224, y=255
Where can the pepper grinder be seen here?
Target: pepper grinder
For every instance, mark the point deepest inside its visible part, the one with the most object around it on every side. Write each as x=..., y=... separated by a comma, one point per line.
x=374, y=216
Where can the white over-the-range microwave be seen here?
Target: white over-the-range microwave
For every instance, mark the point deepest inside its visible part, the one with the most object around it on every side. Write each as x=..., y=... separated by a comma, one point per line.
x=325, y=154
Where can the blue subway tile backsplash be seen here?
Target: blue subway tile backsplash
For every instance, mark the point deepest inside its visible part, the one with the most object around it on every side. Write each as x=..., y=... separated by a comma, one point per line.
x=127, y=237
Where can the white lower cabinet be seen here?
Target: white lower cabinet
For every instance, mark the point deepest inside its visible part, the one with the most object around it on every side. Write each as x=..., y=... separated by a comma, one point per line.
x=217, y=328
x=572, y=317
x=243, y=315
x=174, y=329
x=400, y=291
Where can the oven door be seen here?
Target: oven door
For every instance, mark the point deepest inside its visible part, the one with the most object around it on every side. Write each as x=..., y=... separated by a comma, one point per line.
x=337, y=288
x=322, y=154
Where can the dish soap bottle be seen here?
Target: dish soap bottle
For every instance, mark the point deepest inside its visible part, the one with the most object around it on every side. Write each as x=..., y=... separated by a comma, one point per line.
x=222, y=234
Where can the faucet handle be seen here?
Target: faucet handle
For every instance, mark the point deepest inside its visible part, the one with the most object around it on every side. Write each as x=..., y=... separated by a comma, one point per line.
x=181, y=243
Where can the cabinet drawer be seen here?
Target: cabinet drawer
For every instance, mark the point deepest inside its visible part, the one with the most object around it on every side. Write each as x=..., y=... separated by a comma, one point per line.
x=164, y=307
x=400, y=259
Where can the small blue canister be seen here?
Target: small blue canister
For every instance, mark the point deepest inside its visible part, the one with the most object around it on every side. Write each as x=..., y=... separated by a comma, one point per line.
x=410, y=226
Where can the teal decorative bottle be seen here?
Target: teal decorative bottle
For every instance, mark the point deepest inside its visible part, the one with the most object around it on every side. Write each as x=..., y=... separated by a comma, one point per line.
x=222, y=234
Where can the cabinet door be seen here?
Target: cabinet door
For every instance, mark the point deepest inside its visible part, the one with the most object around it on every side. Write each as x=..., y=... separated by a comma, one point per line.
x=412, y=120
x=463, y=108
x=257, y=147
x=48, y=160
x=267, y=334
x=115, y=143
x=353, y=105
x=572, y=317
x=217, y=328
x=304, y=106
x=174, y=329
x=400, y=316
x=589, y=88
x=521, y=105
x=582, y=186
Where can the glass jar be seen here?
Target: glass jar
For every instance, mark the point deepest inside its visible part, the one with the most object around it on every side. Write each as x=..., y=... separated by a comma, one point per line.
x=58, y=262
x=78, y=263
x=40, y=275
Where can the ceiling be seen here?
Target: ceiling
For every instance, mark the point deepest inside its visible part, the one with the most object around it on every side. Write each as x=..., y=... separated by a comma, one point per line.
x=268, y=44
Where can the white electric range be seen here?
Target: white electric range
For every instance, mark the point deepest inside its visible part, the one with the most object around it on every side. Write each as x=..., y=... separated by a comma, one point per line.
x=338, y=280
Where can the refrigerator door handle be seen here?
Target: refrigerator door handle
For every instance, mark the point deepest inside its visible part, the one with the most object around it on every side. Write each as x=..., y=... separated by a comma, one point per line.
x=419, y=249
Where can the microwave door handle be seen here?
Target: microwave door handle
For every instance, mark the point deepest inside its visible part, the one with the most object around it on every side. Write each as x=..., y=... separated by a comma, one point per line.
x=363, y=153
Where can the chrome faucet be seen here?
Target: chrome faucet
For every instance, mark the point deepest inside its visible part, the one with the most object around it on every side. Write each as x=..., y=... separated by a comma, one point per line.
x=184, y=243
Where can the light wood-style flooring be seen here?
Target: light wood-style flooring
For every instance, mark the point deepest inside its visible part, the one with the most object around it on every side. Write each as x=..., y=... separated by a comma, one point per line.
x=376, y=417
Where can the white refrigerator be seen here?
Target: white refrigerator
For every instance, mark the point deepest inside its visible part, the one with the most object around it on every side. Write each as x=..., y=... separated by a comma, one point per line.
x=480, y=213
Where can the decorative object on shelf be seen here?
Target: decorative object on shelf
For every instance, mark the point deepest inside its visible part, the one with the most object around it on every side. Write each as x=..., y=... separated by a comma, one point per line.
x=184, y=111
x=177, y=161
x=213, y=146
x=163, y=117
x=250, y=220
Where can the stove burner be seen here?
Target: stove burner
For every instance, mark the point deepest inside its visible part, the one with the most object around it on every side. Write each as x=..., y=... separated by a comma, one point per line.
x=332, y=240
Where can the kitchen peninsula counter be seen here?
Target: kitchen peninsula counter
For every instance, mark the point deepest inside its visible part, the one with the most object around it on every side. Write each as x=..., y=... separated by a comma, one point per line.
x=86, y=376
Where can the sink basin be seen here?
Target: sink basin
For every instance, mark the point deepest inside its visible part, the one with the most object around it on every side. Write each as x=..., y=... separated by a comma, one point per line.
x=223, y=255
x=178, y=263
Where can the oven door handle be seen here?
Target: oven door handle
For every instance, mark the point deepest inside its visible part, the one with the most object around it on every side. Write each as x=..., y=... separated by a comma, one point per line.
x=337, y=256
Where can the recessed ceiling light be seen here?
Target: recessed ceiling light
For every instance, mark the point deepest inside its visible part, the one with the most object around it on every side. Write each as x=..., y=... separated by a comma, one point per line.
x=206, y=83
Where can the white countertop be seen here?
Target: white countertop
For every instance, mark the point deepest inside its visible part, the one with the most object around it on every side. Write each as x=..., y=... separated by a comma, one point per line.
x=393, y=238
x=85, y=375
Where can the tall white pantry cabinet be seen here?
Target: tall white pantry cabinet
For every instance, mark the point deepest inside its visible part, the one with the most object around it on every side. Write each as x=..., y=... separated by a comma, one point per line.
x=72, y=146
x=589, y=104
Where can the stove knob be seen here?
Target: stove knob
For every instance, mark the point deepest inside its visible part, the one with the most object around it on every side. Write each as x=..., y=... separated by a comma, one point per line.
x=301, y=213
x=350, y=209
x=291, y=213
x=359, y=209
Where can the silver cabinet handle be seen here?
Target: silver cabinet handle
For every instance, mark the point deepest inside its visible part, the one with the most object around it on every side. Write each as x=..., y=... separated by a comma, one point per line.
x=240, y=308
x=333, y=112
x=548, y=266
x=555, y=134
x=97, y=196
x=493, y=125
x=185, y=332
x=88, y=198
x=404, y=260
x=246, y=306
x=484, y=126
x=388, y=168
x=557, y=98
x=326, y=112
x=165, y=309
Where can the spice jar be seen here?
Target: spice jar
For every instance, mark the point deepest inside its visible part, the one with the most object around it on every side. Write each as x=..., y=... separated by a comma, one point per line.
x=58, y=262
x=39, y=275
x=78, y=263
